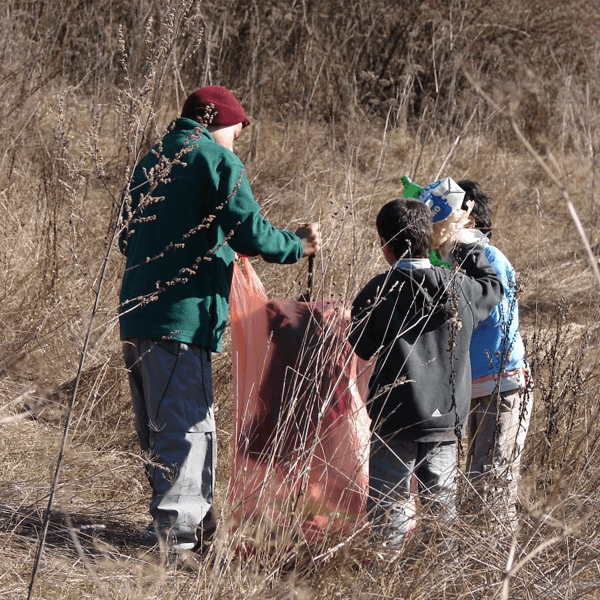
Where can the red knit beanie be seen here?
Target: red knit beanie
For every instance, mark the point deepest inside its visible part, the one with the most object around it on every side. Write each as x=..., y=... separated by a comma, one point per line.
x=227, y=109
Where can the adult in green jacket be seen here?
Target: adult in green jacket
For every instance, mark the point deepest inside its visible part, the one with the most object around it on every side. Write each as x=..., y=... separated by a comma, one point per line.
x=190, y=210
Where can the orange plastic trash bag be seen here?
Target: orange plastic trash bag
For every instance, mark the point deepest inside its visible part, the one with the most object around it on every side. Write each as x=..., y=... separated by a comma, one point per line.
x=301, y=437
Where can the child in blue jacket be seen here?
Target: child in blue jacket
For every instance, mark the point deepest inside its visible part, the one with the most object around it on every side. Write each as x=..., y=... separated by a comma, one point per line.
x=500, y=400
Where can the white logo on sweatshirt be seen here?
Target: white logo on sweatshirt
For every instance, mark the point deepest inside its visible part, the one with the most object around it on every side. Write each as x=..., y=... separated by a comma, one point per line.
x=436, y=413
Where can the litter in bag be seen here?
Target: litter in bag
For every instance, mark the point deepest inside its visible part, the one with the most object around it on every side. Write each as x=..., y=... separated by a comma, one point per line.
x=301, y=429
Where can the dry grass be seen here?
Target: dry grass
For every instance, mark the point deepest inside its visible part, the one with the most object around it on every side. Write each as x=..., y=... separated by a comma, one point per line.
x=362, y=103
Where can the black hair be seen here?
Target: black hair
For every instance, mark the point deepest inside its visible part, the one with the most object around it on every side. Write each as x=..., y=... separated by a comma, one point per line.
x=482, y=209
x=406, y=225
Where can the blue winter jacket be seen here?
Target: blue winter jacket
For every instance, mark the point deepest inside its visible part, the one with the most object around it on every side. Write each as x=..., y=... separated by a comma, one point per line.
x=496, y=344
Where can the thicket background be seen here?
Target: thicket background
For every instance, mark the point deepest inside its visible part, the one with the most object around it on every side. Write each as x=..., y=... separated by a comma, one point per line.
x=345, y=97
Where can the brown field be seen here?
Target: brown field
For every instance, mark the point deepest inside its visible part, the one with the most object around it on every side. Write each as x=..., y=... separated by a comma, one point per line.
x=346, y=96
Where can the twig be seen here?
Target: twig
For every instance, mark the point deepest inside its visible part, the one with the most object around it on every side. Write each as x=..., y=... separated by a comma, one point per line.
x=84, y=560
x=61, y=453
x=553, y=176
x=456, y=144
x=337, y=547
x=508, y=576
x=181, y=24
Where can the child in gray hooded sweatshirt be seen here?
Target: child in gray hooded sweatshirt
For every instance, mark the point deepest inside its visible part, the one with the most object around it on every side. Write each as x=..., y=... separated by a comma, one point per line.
x=417, y=319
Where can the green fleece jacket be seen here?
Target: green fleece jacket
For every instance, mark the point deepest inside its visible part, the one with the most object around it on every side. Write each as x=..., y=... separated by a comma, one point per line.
x=182, y=229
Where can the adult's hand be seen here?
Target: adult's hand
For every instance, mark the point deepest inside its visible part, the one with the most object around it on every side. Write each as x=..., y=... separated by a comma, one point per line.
x=310, y=237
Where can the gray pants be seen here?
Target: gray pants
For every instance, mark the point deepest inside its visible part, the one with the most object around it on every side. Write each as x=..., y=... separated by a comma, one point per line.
x=171, y=389
x=497, y=429
x=392, y=501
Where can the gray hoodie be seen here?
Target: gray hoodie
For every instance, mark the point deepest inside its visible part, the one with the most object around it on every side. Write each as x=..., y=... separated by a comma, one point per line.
x=419, y=324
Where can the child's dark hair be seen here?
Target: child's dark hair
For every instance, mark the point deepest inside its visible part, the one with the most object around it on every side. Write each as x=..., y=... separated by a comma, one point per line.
x=407, y=227
x=482, y=210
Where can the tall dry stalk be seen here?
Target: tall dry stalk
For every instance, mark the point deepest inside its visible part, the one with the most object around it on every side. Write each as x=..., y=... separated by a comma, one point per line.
x=138, y=111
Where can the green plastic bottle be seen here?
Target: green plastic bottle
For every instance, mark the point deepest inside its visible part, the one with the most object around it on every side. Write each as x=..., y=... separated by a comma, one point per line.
x=411, y=190
x=436, y=260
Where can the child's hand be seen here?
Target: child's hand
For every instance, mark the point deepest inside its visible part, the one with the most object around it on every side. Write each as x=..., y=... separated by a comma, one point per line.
x=446, y=252
x=462, y=236
x=447, y=229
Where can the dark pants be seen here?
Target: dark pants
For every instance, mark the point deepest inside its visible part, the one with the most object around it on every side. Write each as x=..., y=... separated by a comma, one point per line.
x=171, y=388
x=392, y=501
